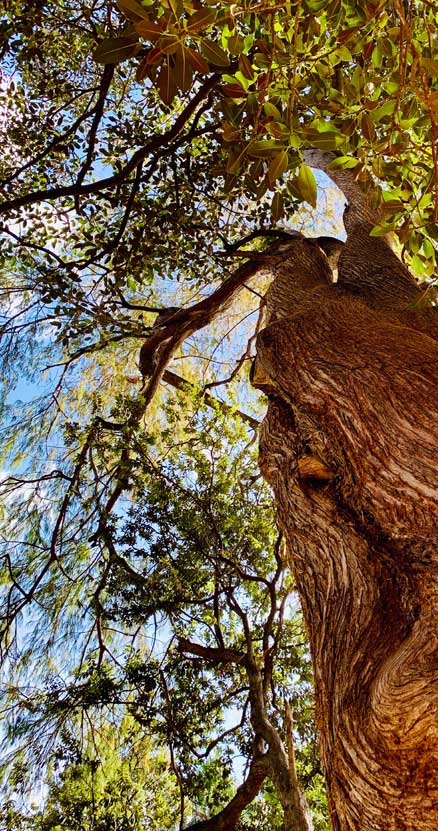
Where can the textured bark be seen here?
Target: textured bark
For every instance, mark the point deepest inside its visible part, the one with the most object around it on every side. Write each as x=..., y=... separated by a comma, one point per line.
x=349, y=445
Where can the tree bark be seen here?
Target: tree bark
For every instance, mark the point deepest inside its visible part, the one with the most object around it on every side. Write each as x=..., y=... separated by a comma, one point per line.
x=349, y=445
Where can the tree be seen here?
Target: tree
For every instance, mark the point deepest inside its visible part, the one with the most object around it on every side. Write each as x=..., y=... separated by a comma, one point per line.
x=114, y=779
x=191, y=135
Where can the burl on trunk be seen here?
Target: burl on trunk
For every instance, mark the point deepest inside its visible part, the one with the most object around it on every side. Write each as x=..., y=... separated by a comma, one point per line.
x=349, y=446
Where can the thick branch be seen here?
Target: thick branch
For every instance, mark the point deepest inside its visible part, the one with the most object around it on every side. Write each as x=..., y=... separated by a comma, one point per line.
x=212, y=654
x=227, y=819
x=182, y=384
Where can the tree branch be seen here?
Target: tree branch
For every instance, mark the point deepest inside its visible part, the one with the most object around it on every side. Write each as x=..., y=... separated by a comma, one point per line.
x=227, y=819
x=156, y=142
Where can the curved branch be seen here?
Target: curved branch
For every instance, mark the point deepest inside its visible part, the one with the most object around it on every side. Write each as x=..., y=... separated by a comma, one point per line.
x=227, y=819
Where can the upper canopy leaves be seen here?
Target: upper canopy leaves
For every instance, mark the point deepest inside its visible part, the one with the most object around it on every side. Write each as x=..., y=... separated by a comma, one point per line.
x=357, y=77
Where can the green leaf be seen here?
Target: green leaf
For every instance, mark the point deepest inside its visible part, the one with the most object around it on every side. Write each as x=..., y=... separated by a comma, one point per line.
x=235, y=44
x=197, y=61
x=271, y=110
x=201, y=20
x=116, y=50
x=277, y=207
x=235, y=161
x=343, y=163
x=149, y=30
x=307, y=186
x=385, y=110
x=430, y=65
x=326, y=140
x=265, y=148
x=132, y=10
x=278, y=165
x=213, y=53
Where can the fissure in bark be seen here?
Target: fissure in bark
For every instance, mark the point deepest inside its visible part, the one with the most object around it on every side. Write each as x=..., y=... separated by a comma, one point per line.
x=349, y=445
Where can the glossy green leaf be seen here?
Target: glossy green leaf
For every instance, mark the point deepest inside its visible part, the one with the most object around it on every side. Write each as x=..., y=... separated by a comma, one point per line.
x=343, y=163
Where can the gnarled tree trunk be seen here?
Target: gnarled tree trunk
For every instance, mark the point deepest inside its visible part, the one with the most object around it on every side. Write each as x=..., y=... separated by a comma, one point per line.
x=349, y=444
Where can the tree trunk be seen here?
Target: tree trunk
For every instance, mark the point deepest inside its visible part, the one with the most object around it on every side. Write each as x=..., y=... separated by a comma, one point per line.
x=349, y=445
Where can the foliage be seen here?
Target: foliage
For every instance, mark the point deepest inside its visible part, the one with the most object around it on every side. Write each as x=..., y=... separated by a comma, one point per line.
x=114, y=779
x=144, y=146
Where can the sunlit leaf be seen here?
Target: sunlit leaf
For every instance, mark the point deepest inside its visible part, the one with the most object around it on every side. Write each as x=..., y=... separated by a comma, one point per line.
x=306, y=184
x=277, y=166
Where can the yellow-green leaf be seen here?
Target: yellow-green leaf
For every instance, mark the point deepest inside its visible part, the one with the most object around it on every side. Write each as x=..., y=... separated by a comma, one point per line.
x=264, y=149
x=279, y=131
x=343, y=163
x=277, y=166
x=213, y=53
x=307, y=186
x=235, y=44
x=116, y=50
x=272, y=111
x=430, y=65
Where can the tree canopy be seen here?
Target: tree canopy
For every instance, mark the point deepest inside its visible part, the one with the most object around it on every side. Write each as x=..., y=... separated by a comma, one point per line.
x=153, y=154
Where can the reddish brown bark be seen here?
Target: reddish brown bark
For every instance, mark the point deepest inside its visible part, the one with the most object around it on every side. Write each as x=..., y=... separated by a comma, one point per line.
x=355, y=390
